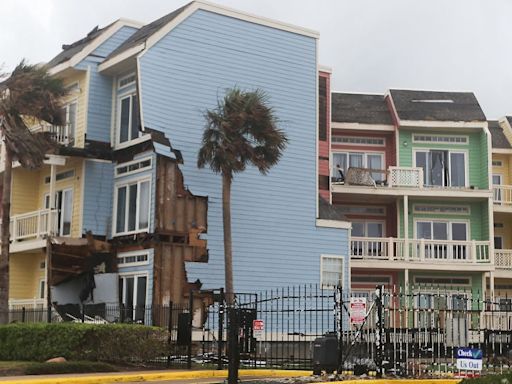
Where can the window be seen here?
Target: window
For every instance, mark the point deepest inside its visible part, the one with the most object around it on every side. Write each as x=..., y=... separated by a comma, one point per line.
x=128, y=119
x=358, y=140
x=64, y=207
x=42, y=289
x=497, y=163
x=132, y=294
x=132, y=207
x=69, y=114
x=362, y=210
x=346, y=160
x=61, y=176
x=439, y=139
x=442, y=168
x=133, y=167
x=331, y=271
x=367, y=228
x=127, y=259
x=443, y=230
x=444, y=209
x=497, y=192
x=498, y=242
x=442, y=280
x=126, y=81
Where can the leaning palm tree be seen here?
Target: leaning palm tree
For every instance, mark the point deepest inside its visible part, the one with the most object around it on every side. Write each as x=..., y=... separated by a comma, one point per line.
x=27, y=96
x=240, y=131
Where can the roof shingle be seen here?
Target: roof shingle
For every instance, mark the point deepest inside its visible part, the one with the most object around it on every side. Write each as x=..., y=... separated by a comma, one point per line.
x=499, y=140
x=360, y=108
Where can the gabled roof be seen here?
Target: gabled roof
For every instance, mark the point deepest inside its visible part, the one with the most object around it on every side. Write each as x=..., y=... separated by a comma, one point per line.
x=436, y=106
x=499, y=140
x=359, y=108
x=509, y=120
x=73, y=53
x=147, y=31
x=153, y=32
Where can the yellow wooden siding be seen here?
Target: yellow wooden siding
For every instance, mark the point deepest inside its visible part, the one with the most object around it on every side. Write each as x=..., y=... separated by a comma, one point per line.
x=81, y=98
x=506, y=230
x=504, y=170
x=25, y=190
x=74, y=182
x=25, y=274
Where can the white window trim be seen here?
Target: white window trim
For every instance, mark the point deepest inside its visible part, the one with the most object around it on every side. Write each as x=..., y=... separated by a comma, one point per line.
x=501, y=238
x=437, y=142
x=126, y=183
x=347, y=212
x=470, y=283
x=500, y=175
x=121, y=78
x=499, y=163
x=325, y=256
x=121, y=255
x=365, y=158
x=466, y=163
x=134, y=274
x=120, y=98
x=441, y=213
x=127, y=164
x=358, y=144
x=41, y=295
x=449, y=227
x=73, y=87
x=60, y=223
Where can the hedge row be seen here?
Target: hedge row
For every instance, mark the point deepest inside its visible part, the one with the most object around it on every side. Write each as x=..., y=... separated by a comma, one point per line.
x=75, y=341
x=490, y=379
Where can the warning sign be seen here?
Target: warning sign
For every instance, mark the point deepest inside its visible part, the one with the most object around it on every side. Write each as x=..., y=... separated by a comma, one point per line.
x=357, y=310
x=258, y=327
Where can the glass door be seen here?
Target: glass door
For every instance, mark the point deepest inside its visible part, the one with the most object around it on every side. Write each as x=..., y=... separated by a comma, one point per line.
x=64, y=207
x=132, y=294
x=497, y=195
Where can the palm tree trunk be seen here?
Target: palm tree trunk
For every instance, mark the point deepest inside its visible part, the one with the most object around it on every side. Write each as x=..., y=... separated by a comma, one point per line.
x=5, y=238
x=228, y=250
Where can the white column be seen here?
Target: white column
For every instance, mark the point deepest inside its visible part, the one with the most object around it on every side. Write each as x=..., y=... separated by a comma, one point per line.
x=491, y=286
x=406, y=227
x=53, y=173
x=406, y=281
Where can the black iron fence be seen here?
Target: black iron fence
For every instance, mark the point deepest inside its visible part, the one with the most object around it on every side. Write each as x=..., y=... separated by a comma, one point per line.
x=407, y=332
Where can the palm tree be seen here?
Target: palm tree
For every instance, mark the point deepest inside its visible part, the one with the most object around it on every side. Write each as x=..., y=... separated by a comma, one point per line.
x=241, y=130
x=27, y=96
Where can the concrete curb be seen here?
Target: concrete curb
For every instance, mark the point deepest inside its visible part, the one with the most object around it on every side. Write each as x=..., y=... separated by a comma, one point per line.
x=396, y=381
x=152, y=376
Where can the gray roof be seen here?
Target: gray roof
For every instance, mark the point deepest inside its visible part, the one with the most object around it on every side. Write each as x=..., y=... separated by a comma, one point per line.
x=437, y=106
x=69, y=50
x=499, y=140
x=147, y=31
x=359, y=108
x=509, y=119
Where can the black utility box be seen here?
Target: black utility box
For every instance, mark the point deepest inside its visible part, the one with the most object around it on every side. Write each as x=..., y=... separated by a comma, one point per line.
x=325, y=354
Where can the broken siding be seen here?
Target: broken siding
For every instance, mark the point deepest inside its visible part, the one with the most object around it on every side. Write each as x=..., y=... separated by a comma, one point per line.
x=98, y=196
x=275, y=240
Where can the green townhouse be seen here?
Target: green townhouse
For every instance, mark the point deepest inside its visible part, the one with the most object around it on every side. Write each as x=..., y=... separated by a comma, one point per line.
x=410, y=171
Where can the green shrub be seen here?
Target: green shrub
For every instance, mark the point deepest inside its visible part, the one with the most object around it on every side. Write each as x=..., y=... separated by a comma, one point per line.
x=68, y=367
x=490, y=379
x=75, y=341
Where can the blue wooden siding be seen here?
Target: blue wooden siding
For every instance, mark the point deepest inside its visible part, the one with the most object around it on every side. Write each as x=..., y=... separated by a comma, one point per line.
x=99, y=110
x=97, y=209
x=142, y=269
x=151, y=172
x=275, y=240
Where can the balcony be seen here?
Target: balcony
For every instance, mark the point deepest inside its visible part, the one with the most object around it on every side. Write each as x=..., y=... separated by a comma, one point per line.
x=502, y=197
x=419, y=251
x=61, y=134
x=398, y=181
x=503, y=259
x=29, y=230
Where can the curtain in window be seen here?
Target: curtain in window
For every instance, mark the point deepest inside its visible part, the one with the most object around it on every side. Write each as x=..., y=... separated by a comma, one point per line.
x=375, y=162
x=144, y=205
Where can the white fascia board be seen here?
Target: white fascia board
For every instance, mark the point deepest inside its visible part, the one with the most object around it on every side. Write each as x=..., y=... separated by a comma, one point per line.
x=443, y=124
x=89, y=48
x=333, y=224
x=324, y=68
x=505, y=151
x=121, y=57
x=55, y=160
x=363, y=127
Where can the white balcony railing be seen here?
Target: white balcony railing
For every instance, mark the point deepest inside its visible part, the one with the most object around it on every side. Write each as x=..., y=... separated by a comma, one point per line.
x=502, y=194
x=409, y=177
x=33, y=225
x=62, y=134
x=420, y=250
x=503, y=258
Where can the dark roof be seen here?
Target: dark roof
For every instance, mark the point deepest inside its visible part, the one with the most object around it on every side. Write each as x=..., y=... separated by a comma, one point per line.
x=69, y=50
x=359, y=108
x=509, y=119
x=147, y=31
x=328, y=211
x=499, y=140
x=436, y=106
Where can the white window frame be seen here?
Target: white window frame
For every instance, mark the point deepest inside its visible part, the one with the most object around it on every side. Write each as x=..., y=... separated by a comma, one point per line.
x=60, y=224
x=469, y=285
x=66, y=106
x=449, y=227
x=497, y=163
x=371, y=221
x=135, y=275
x=501, y=239
x=415, y=140
x=131, y=83
x=120, y=98
x=467, y=207
x=345, y=208
x=122, y=255
x=466, y=164
x=42, y=283
x=334, y=141
x=127, y=164
x=365, y=158
x=342, y=272
x=127, y=183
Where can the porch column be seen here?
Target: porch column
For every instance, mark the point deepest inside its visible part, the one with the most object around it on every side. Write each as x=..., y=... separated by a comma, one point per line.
x=491, y=286
x=406, y=227
x=53, y=173
x=406, y=280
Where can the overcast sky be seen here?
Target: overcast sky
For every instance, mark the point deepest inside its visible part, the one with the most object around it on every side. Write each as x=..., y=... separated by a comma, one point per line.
x=371, y=45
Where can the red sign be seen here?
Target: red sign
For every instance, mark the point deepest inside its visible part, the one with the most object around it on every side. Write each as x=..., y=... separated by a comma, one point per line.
x=258, y=326
x=357, y=310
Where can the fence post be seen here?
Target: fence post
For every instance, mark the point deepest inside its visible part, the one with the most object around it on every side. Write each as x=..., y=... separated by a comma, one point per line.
x=340, y=339
x=23, y=314
x=221, y=328
x=191, y=312
x=169, y=339
x=379, y=332
x=233, y=347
